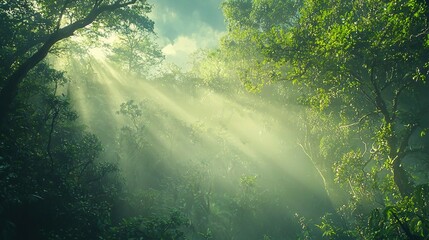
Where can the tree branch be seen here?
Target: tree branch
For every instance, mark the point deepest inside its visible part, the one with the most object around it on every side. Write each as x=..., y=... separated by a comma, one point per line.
x=60, y=17
x=396, y=99
x=10, y=88
x=379, y=101
x=359, y=121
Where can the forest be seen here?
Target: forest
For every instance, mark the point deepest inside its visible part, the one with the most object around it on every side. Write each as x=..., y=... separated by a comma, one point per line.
x=308, y=120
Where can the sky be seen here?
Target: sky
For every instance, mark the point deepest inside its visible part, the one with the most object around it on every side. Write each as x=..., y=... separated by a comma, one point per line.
x=183, y=26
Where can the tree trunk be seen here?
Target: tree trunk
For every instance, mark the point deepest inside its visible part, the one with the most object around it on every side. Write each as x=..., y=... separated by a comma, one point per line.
x=10, y=88
x=401, y=179
x=400, y=176
x=11, y=84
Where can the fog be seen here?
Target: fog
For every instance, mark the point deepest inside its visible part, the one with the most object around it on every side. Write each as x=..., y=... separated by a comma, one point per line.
x=173, y=131
x=216, y=119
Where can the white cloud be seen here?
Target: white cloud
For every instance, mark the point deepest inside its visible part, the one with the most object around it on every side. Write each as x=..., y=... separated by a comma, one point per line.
x=185, y=26
x=180, y=50
x=182, y=45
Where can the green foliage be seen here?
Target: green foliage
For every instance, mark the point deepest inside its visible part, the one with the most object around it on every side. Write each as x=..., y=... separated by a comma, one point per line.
x=407, y=219
x=248, y=182
x=136, y=52
x=359, y=68
x=306, y=230
x=130, y=109
x=33, y=21
x=362, y=70
x=156, y=228
x=333, y=230
x=53, y=186
x=35, y=27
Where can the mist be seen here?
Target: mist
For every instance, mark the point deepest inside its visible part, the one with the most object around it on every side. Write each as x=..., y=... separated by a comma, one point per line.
x=250, y=119
x=171, y=131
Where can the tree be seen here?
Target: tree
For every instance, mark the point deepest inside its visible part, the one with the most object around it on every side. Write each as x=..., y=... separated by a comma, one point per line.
x=372, y=64
x=248, y=22
x=53, y=182
x=49, y=167
x=367, y=62
x=32, y=28
x=365, y=67
x=136, y=52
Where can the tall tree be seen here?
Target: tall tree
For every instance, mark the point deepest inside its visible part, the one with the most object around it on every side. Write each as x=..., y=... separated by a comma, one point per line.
x=136, y=52
x=31, y=28
x=370, y=61
x=367, y=62
x=362, y=67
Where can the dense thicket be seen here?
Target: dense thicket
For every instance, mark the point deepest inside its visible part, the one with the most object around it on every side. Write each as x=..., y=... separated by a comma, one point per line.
x=30, y=29
x=190, y=155
x=53, y=183
x=361, y=68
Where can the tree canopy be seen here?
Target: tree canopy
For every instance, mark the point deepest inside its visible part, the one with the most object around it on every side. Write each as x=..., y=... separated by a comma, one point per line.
x=310, y=114
x=38, y=25
x=362, y=65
